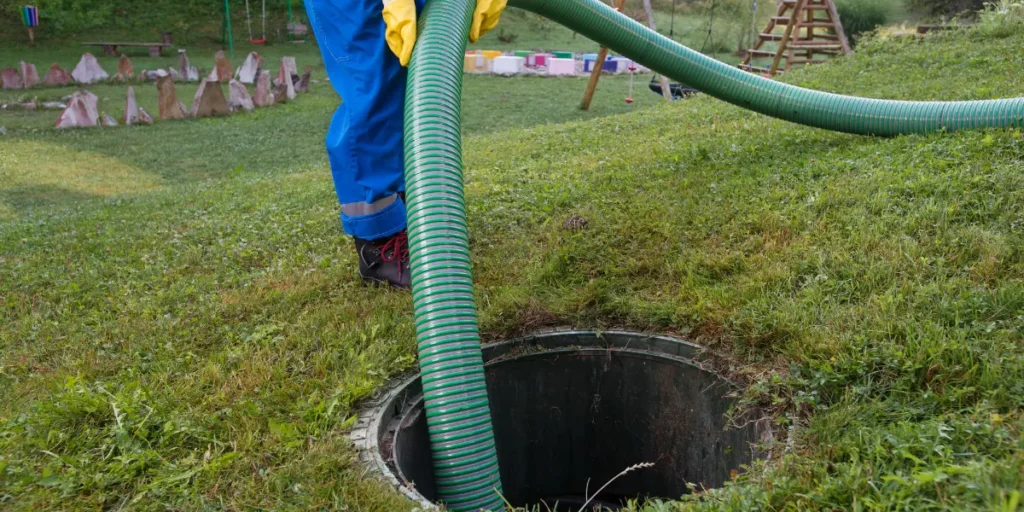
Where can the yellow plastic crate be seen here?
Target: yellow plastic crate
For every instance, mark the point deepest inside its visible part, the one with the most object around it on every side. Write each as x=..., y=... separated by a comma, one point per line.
x=474, y=63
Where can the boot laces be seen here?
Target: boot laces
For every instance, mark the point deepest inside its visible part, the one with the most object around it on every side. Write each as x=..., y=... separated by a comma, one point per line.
x=396, y=249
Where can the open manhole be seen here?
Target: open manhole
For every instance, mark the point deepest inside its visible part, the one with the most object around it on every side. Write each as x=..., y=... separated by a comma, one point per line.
x=573, y=409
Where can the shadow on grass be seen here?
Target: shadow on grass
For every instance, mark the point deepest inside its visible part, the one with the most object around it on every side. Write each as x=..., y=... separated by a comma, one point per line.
x=282, y=139
x=24, y=198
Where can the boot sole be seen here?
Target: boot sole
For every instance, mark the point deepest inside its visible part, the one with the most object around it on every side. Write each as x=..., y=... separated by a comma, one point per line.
x=372, y=281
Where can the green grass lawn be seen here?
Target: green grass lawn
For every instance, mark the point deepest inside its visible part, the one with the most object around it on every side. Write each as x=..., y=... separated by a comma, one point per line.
x=286, y=137
x=41, y=165
x=182, y=327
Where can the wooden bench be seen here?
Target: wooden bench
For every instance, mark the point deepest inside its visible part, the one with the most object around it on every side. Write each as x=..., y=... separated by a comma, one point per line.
x=110, y=49
x=924, y=29
x=155, y=49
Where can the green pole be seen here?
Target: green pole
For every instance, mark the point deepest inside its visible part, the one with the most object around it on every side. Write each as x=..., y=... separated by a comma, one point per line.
x=291, y=20
x=226, y=34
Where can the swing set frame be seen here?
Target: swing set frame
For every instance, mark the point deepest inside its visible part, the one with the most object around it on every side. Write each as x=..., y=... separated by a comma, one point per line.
x=227, y=35
x=659, y=84
x=248, y=21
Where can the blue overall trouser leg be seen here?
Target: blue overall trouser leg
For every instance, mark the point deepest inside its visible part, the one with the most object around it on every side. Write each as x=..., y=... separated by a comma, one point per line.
x=364, y=143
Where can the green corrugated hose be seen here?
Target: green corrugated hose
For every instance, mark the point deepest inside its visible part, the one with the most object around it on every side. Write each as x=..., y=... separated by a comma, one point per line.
x=451, y=365
x=835, y=112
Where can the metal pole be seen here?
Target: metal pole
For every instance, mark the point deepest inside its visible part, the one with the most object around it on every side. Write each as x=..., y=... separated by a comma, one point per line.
x=226, y=32
x=672, y=26
x=248, y=19
x=291, y=21
x=665, y=90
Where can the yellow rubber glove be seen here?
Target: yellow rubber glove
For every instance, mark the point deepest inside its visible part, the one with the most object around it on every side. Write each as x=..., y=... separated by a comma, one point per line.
x=485, y=17
x=400, y=31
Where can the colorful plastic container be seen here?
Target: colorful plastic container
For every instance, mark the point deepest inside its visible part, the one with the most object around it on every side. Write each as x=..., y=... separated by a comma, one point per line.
x=509, y=65
x=561, y=67
x=474, y=63
x=621, y=64
x=537, y=60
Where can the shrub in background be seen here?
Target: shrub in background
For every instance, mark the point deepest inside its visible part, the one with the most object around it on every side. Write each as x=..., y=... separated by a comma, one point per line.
x=860, y=16
x=947, y=8
x=1001, y=18
x=64, y=17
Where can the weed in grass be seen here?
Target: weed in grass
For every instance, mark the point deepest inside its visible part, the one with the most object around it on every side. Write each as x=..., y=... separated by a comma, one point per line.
x=1001, y=18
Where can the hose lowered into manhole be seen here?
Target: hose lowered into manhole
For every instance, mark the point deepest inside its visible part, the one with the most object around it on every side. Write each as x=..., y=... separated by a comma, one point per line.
x=451, y=366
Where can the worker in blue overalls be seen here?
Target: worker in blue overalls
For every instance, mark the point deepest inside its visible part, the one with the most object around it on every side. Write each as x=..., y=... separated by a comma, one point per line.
x=364, y=143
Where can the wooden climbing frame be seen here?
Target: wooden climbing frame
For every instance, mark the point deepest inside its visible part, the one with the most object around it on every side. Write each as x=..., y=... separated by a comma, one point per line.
x=812, y=33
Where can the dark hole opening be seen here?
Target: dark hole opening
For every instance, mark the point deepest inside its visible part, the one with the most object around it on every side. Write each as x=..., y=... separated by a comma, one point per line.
x=572, y=410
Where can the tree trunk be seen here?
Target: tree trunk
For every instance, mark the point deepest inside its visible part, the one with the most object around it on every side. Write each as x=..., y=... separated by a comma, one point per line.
x=665, y=90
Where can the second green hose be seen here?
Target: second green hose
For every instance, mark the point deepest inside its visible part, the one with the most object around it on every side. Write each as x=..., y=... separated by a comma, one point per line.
x=594, y=19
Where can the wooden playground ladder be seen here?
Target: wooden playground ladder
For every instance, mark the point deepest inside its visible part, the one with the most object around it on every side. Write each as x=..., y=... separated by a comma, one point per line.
x=812, y=33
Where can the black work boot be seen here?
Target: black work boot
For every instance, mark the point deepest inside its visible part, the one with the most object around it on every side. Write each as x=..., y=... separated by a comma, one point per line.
x=385, y=261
